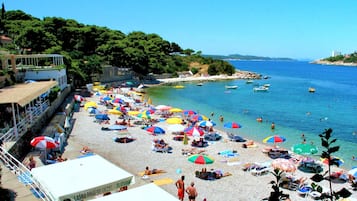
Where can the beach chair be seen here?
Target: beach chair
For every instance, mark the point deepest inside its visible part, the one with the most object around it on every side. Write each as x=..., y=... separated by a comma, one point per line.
x=258, y=171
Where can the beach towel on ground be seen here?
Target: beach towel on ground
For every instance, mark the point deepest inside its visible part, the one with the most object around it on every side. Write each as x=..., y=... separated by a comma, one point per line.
x=163, y=181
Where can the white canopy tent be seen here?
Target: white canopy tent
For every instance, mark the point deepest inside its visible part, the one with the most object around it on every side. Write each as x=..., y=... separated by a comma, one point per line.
x=148, y=192
x=81, y=179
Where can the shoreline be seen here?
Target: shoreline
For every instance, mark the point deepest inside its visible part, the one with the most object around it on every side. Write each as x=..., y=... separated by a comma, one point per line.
x=135, y=156
x=238, y=75
x=337, y=63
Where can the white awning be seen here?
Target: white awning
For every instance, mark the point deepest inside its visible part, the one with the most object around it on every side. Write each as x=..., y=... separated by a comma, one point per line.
x=82, y=178
x=148, y=192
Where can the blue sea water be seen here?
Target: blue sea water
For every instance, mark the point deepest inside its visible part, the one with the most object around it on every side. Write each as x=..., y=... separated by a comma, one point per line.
x=287, y=103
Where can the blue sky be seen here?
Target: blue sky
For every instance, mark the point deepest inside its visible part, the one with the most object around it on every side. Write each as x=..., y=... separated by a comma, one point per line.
x=301, y=29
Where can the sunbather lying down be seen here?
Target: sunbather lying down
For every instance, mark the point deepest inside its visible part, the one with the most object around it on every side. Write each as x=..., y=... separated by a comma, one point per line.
x=153, y=171
x=211, y=175
x=192, y=150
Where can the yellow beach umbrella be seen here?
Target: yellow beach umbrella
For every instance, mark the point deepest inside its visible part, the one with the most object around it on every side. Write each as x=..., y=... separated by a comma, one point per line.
x=149, y=101
x=144, y=115
x=90, y=104
x=133, y=113
x=113, y=111
x=175, y=110
x=174, y=120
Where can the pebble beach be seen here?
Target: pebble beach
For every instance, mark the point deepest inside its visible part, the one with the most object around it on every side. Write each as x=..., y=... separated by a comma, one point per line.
x=135, y=156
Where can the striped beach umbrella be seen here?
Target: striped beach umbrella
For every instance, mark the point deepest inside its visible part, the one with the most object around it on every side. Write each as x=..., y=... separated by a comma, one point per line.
x=201, y=159
x=155, y=130
x=274, y=139
x=44, y=142
x=232, y=125
x=194, y=131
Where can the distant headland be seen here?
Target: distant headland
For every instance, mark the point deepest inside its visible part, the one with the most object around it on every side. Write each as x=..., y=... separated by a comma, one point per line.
x=246, y=57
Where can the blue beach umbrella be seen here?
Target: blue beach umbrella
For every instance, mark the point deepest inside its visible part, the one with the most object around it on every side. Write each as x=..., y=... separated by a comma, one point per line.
x=206, y=123
x=232, y=125
x=155, y=130
x=102, y=117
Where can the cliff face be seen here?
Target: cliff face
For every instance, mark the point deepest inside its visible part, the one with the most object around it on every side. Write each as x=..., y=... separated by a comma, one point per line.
x=336, y=63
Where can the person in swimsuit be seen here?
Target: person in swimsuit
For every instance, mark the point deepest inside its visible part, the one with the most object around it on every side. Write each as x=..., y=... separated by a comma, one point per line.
x=192, y=192
x=180, y=185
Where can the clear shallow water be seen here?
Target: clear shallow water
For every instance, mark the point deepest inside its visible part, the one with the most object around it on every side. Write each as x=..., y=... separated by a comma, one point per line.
x=288, y=103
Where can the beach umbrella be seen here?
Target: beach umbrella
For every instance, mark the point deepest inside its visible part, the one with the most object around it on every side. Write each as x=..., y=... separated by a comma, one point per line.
x=353, y=172
x=174, y=120
x=44, y=142
x=106, y=98
x=133, y=113
x=78, y=98
x=102, y=117
x=162, y=107
x=149, y=111
x=304, y=149
x=174, y=110
x=206, y=123
x=90, y=104
x=176, y=128
x=198, y=117
x=93, y=110
x=117, y=127
x=149, y=101
x=333, y=160
x=200, y=159
x=194, y=131
x=155, y=130
x=189, y=112
x=116, y=112
x=284, y=165
x=232, y=125
x=117, y=100
x=274, y=139
x=144, y=115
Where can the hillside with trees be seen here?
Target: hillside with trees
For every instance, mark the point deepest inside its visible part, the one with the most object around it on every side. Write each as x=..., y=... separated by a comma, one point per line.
x=86, y=48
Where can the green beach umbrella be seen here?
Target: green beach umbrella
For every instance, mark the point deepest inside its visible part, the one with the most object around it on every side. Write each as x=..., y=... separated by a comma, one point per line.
x=201, y=159
x=304, y=149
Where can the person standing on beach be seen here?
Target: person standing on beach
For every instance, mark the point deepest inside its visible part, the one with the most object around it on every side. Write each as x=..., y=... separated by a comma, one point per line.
x=180, y=185
x=192, y=192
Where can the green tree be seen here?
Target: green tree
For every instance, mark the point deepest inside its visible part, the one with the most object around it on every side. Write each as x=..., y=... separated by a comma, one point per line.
x=328, y=143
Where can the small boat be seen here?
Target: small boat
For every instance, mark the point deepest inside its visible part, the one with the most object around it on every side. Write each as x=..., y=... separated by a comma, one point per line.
x=231, y=86
x=249, y=81
x=261, y=89
x=266, y=77
x=199, y=84
x=312, y=90
x=179, y=87
x=266, y=85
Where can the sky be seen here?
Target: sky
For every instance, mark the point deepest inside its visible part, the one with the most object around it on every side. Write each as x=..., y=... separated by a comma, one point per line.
x=299, y=29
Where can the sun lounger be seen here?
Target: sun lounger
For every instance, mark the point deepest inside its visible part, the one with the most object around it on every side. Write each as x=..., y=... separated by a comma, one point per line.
x=258, y=171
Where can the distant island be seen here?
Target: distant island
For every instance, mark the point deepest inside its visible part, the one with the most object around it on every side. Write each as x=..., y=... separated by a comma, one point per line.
x=339, y=60
x=246, y=57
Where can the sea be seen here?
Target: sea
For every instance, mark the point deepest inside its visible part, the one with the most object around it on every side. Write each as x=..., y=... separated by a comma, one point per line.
x=288, y=103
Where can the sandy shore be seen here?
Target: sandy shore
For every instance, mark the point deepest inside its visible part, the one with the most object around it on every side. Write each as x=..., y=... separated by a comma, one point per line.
x=135, y=156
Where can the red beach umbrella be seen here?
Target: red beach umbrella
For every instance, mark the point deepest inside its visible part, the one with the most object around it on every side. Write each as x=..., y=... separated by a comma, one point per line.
x=200, y=159
x=194, y=131
x=232, y=125
x=44, y=142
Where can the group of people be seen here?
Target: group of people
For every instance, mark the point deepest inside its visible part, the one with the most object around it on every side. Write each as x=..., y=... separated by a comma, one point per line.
x=190, y=190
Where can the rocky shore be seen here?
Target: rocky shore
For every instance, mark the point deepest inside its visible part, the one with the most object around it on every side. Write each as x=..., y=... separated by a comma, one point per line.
x=337, y=63
x=237, y=75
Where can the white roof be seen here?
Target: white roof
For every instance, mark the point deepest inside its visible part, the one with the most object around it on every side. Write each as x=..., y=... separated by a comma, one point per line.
x=81, y=178
x=148, y=192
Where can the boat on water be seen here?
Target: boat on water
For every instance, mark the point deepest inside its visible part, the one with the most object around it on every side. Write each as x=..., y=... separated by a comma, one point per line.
x=179, y=87
x=312, y=90
x=266, y=85
x=261, y=89
x=249, y=81
x=199, y=84
x=231, y=86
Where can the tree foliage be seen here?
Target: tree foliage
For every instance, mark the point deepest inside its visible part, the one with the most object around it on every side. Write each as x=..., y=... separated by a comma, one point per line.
x=328, y=143
x=143, y=53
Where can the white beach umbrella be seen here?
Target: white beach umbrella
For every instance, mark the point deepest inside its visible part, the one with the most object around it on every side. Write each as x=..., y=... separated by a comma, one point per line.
x=176, y=128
